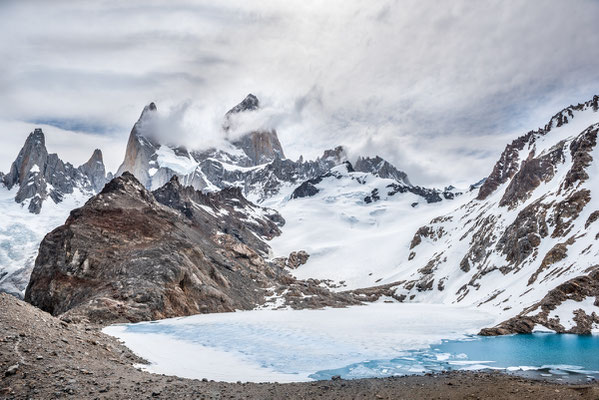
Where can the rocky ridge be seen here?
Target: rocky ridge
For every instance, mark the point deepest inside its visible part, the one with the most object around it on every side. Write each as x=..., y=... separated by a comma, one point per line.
x=40, y=175
x=255, y=161
x=529, y=230
x=132, y=255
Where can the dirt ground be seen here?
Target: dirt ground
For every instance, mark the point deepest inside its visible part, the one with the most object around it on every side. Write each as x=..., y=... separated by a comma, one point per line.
x=42, y=357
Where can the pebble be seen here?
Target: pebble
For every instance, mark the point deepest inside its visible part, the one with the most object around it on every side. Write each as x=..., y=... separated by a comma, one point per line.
x=12, y=370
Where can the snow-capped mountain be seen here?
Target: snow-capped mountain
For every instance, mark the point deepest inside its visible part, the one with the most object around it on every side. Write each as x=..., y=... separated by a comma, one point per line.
x=521, y=242
x=530, y=229
x=39, y=175
x=37, y=195
x=255, y=162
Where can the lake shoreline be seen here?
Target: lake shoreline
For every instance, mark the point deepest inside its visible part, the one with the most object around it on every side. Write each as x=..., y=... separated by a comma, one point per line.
x=42, y=357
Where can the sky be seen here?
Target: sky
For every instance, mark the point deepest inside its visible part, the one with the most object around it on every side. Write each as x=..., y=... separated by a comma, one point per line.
x=436, y=87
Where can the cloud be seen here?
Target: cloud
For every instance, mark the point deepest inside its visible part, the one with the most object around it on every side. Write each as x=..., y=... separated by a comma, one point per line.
x=438, y=88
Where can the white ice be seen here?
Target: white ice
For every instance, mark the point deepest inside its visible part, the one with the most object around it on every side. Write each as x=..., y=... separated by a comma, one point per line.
x=288, y=345
x=21, y=231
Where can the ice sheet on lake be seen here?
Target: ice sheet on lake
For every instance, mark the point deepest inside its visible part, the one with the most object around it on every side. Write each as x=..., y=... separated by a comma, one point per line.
x=288, y=345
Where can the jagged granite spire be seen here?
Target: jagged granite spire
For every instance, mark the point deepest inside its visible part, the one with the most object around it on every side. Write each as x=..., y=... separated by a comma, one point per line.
x=95, y=170
x=40, y=175
x=260, y=146
x=140, y=149
x=250, y=103
x=32, y=154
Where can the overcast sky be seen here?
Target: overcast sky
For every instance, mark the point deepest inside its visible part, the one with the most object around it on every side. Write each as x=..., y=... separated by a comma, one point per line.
x=436, y=87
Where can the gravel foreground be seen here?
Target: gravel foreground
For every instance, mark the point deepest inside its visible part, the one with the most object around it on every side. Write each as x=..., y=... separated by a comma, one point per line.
x=42, y=357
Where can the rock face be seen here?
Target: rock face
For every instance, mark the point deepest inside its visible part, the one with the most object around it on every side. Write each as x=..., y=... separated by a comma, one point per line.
x=132, y=255
x=95, y=171
x=40, y=175
x=297, y=258
x=581, y=292
x=141, y=148
x=381, y=168
x=261, y=147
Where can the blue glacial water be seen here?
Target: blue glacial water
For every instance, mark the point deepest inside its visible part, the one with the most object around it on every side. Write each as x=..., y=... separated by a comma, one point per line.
x=542, y=355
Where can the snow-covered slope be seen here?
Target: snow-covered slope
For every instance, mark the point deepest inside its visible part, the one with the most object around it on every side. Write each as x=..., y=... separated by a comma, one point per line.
x=356, y=226
x=529, y=228
x=21, y=233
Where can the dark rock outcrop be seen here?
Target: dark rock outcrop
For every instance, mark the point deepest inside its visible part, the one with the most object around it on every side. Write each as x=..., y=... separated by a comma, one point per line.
x=297, y=259
x=306, y=189
x=380, y=167
x=577, y=289
x=132, y=255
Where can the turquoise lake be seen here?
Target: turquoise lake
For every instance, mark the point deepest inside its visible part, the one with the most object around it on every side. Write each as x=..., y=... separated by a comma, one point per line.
x=543, y=355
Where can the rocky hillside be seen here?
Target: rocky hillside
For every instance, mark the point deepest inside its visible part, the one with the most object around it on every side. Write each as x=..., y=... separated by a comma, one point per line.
x=131, y=255
x=531, y=228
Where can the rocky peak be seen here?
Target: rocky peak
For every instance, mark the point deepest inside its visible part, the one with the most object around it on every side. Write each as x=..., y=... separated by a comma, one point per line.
x=336, y=155
x=381, y=168
x=40, y=175
x=509, y=161
x=33, y=156
x=149, y=108
x=95, y=170
x=250, y=103
x=260, y=146
x=140, y=148
x=126, y=184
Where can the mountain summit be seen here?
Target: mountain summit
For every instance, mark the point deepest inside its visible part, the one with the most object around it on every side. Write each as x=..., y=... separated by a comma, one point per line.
x=40, y=175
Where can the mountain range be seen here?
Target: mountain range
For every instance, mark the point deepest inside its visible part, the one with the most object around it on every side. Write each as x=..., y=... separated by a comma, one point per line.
x=182, y=231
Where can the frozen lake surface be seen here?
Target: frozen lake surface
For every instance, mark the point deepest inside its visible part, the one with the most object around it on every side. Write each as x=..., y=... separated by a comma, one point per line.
x=365, y=341
x=288, y=345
